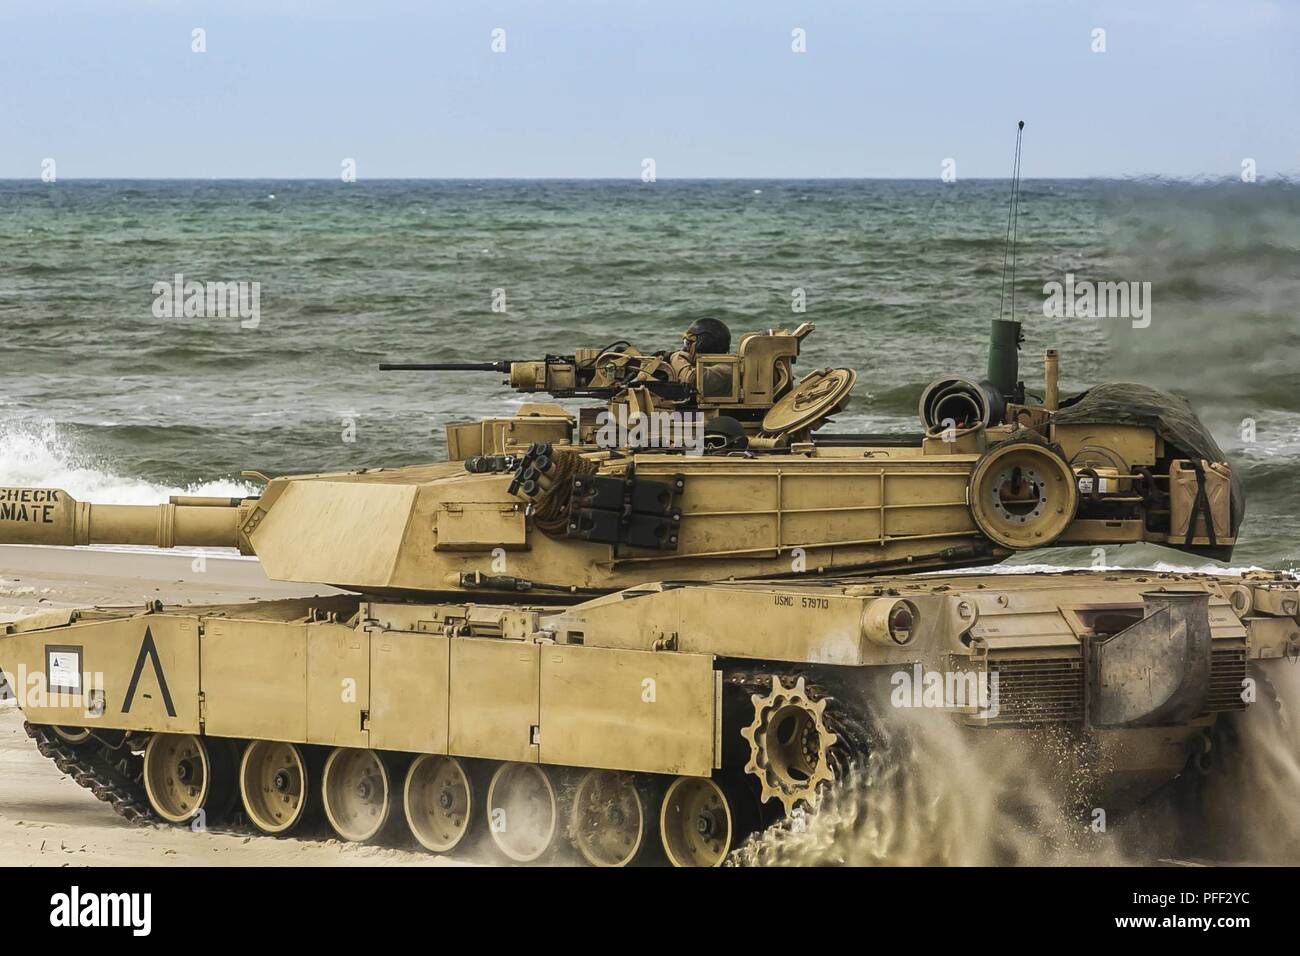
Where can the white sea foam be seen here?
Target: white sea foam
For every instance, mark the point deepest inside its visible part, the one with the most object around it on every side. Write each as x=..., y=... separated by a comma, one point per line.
x=42, y=457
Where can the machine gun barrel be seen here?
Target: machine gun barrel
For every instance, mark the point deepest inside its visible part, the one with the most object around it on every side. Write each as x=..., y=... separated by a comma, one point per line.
x=445, y=366
x=563, y=376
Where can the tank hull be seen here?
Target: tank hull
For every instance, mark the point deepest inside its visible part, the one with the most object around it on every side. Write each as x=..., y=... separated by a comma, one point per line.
x=633, y=695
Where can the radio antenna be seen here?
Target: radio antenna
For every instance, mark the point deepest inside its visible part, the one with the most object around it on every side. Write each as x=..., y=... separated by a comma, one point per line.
x=1013, y=230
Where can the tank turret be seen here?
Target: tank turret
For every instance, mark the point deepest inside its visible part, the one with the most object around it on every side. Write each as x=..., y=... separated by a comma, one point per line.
x=539, y=507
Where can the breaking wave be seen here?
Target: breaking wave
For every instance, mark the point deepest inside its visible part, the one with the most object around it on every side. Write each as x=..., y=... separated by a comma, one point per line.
x=44, y=457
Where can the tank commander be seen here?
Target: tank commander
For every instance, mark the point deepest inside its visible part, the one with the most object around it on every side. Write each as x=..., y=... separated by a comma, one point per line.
x=704, y=337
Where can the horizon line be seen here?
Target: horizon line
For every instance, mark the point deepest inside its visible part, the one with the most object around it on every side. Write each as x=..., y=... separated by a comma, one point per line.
x=634, y=180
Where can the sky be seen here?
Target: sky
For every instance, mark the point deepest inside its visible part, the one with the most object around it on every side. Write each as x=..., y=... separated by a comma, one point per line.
x=584, y=88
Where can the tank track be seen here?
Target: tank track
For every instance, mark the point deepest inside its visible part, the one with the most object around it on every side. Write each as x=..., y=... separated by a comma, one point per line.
x=111, y=768
x=112, y=773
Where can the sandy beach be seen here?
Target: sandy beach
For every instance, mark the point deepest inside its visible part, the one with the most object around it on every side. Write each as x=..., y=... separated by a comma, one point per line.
x=32, y=578
x=45, y=818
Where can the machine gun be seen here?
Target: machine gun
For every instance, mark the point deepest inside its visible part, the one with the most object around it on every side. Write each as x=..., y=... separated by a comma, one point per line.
x=589, y=373
x=744, y=384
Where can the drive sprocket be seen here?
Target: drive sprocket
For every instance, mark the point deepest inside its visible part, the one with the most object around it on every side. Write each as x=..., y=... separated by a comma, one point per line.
x=790, y=743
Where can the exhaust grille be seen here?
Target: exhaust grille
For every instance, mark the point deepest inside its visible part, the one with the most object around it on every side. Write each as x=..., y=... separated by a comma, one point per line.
x=1227, y=672
x=1035, y=691
x=1038, y=690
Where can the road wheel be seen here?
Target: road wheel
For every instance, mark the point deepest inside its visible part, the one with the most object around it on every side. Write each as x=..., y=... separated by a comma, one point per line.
x=276, y=784
x=72, y=735
x=439, y=802
x=358, y=794
x=523, y=813
x=614, y=818
x=186, y=776
x=697, y=823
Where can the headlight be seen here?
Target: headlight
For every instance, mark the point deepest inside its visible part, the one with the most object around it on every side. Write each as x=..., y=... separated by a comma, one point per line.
x=891, y=622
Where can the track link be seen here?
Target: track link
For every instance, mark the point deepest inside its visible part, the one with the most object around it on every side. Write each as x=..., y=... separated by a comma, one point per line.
x=112, y=774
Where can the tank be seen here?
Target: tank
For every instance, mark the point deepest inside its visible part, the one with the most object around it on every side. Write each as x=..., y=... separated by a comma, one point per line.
x=651, y=629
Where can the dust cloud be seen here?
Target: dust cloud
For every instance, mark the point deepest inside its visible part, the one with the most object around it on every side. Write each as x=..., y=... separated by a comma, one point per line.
x=1243, y=808
x=935, y=793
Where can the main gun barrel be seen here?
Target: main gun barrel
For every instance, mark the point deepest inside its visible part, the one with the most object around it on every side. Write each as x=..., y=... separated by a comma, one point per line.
x=52, y=516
